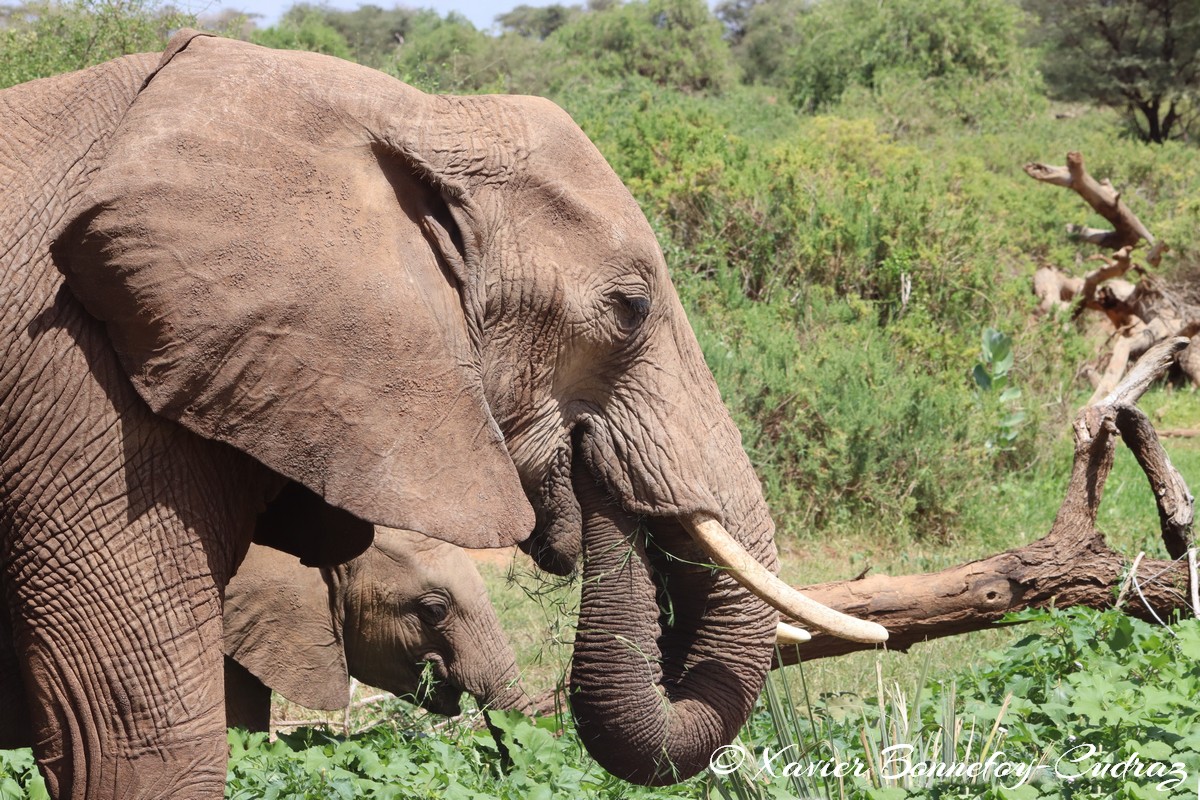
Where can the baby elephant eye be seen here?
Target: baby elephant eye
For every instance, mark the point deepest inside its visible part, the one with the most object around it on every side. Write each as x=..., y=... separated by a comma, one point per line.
x=433, y=608
x=632, y=310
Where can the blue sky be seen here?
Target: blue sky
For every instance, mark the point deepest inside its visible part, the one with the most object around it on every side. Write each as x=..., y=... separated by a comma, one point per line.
x=480, y=12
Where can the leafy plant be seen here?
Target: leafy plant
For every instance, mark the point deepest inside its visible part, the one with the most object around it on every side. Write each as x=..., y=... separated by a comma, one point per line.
x=991, y=377
x=20, y=778
x=45, y=38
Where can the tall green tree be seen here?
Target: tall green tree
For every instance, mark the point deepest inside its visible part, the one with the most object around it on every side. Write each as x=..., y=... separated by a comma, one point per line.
x=537, y=22
x=764, y=35
x=307, y=32
x=373, y=34
x=1143, y=55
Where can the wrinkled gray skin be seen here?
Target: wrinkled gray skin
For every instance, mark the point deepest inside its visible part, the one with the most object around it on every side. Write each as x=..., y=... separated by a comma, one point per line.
x=408, y=606
x=273, y=295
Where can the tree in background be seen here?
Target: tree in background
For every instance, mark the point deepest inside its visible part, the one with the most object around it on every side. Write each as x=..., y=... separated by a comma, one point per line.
x=675, y=43
x=1143, y=55
x=763, y=36
x=449, y=54
x=537, y=22
x=306, y=31
x=43, y=38
x=372, y=33
x=841, y=43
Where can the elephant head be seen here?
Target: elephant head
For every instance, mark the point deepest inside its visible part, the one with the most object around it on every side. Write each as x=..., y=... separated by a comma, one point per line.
x=446, y=314
x=410, y=615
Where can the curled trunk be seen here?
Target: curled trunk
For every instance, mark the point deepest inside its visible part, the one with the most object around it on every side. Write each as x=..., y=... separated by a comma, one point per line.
x=669, y=654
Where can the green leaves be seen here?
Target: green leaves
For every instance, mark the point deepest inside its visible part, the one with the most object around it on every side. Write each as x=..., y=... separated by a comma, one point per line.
x=454, y=762
x=991, y=377
x=20, y=778
x=992, y=373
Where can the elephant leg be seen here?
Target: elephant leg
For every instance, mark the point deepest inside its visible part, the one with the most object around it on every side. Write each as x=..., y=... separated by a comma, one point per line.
x=120, y=532
x=122, y=653
x=14, y=712
x=247, y=699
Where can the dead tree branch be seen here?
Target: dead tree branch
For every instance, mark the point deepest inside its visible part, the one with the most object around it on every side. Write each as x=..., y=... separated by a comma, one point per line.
x=1143, y=313
x=1072, y=565
x=1101, y=196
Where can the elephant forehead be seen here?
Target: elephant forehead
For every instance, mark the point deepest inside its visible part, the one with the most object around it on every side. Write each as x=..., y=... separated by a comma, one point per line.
x=403, y=550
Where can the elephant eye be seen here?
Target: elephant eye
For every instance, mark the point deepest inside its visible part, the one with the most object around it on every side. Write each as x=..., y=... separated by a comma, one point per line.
x=632, y=309
x=433, y=608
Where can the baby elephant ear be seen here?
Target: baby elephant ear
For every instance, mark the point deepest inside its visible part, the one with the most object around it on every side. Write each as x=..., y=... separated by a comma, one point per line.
x=273, y=278
x=282, y=626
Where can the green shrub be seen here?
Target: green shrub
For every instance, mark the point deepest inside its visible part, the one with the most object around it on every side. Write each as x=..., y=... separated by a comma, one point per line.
x=48, y=38
x=309, y=32
x=447, y=54
x=841, y=43
x=674, y=43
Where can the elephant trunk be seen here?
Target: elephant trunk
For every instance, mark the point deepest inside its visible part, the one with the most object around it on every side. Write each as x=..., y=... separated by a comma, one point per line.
x=670, y=654
x=485, y=665
x=508, y=696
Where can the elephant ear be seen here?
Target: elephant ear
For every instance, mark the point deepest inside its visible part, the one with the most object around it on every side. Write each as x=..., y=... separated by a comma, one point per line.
x=300, y=523
x=281, y=624
x=275, y=277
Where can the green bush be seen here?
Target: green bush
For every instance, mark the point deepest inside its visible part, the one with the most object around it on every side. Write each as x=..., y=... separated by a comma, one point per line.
x=1089, y=705
x=309, y=32
x=674, y=43
x=841, y=43
x=47, y=38
x=447, y=54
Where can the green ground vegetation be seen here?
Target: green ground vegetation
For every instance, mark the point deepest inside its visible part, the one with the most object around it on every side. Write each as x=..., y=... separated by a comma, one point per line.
x=837, y=188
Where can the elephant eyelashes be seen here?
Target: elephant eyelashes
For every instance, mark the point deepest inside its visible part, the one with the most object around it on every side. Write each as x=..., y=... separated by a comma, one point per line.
x=433, y=609
x=632, y=310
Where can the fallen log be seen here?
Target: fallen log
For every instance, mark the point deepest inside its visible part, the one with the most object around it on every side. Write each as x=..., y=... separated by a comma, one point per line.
x=1071, y=566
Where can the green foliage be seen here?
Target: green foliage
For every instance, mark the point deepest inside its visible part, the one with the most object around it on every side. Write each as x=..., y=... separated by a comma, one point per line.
x=991, y=376
x=675, y=43
x=764, y=36
x=841, y=43
x=372, y=34
x=447, y=54
x=20, y=778
x=1101, y=684
x=1089, y=705
x=537, y=22
x=308, y=32
x=457, y=763
x=43, y=38
x=1137, y=54
x=842, y=425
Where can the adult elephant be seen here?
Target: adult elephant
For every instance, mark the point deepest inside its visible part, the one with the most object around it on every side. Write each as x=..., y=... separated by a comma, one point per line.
x=240, y=285
x=410, y=615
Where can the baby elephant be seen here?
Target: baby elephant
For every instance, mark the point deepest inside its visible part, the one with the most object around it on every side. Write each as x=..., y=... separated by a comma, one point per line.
x=410, y=616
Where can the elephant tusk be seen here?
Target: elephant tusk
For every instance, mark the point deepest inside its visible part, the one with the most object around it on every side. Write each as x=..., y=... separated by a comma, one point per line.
x=789, y=634
x=726, y=552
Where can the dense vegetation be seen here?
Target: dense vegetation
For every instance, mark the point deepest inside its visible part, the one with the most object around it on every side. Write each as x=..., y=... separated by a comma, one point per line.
x=837, y=189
